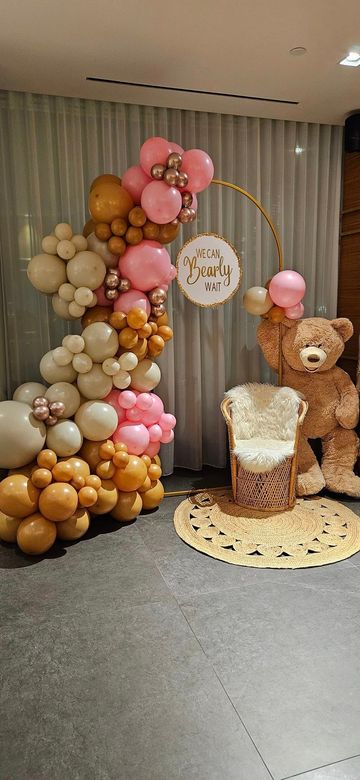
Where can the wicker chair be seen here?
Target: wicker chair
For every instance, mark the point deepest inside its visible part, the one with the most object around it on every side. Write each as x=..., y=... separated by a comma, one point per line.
x=263, y=424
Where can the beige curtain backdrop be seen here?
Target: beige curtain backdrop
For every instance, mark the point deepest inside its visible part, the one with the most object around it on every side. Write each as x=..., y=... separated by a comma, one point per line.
x=52, y=147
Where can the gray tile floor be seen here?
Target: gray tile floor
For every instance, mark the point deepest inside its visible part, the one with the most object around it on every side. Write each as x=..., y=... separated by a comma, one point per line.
x=130, y=656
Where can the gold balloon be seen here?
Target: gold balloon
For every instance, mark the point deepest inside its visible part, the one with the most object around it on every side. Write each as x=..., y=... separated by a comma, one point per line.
x=88, y=228
x=153, y=497
x=93, y=481
x=18, y=496
x=109, y=200
x=107, y=497
x=116, y=245
x=163, y=320
x=140, y=349
x=96, y=314
x=168, y=232
x=134, y=235
x=118, y=320
x=58, y=501
x=137, y=217
x=155, y=345
x=87, y=496
x=8, y=527
x=145, y=331
x=257, y=300
x=105, y=178
x=154, y=472
x=119, y=226
x=107, y=450
x=128, y=507
x=165, y=332
x=132, y=476
x=103, y=231
x=79, y=466
x=105, y=469
x=276, y=314
x=151, y=231
x=41, y=478
x=63, y=472
x=137, y=317
x=75, y=527
x=128, y=338
x=90, y=452
x=46, y=459
x=36, y=534
x=146, y=485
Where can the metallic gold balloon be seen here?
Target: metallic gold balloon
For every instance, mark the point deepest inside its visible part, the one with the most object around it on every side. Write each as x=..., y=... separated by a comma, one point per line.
x=185, y=215
x=171, y=177
x=157, y=171
x=183, y=179
x=169, y=232
x=192, y=217
x=158, y=310
x=128, y=338
x=128, y=506
x=155, y=345
x=41, y=478
x=124, y=285
x=18, y=496
x=111, y=281
x=187, y=199
x=118, y=320
x=174, y=160
x=111, y=295
x=165, y=332
x=36, y=534
x=157, y=295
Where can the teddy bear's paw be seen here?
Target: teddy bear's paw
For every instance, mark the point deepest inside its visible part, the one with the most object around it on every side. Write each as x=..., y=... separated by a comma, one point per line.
x=344, y=481
x=311, y=482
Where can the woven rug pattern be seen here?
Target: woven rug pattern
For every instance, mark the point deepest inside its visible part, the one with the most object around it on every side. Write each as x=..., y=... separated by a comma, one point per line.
x=315, y=532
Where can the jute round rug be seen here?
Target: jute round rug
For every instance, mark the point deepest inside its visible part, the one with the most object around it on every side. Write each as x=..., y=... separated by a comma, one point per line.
x=315, y=532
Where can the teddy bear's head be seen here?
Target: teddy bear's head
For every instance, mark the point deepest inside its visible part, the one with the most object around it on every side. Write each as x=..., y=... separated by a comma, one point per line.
x=309, y=345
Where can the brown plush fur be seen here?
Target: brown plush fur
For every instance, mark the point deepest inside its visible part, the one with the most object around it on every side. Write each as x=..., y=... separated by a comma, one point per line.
x=332, y=397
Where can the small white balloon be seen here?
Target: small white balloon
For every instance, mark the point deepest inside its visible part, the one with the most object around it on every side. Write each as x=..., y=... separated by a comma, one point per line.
x=145, y=376
x=93, y=301
x=66, y=249
x=101, y=341
x=74, y=343
x=67, y=292
x=80, y=242
x=49, y=244
x=122, y=380
x=46, y=273
x=110, y=366
x=83, y=296
x=76, y=310
x=28, y=391
x=51, y=372
x=65, y=393
x=86, y=269
x=62, y=356
x=128, y=361
x=97, y=420
x=64, y=438
x=94, y=384
x=82, y=363
x=63, y=231
x=61, y=307
x=100, y=247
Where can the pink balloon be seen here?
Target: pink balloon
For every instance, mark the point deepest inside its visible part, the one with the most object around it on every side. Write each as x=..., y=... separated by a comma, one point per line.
x=134, y=180
x=160, y=202
x=199, y=168
x=167, y=437
x=144, y=401
x=154, y=150
x=100, y=294
x=152, y=449
x=146, y=265
x=295, y=312
x=287, y=288
x=153, y=414
x=176, y=148
x=155, y=432
x=127, y=399
x=194, y=203
x=136, y=437
x=134, y=414
x=167, y=422
x=113, y=400
x=128, y=300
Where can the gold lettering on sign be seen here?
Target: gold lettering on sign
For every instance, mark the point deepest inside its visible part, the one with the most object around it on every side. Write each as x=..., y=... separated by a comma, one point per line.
x=221, y=269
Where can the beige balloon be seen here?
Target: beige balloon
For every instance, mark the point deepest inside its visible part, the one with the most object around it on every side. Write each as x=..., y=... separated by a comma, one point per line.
x=54, y=373
x=86, y=269
x=66, y=249
x=64, y=438
x=67, y=291
x=80, y=242
x=122, y=379
x=101, y=341
x=100, y=247
x=66, y=393
x=63, y=231
x=46, y=273
x=128, y=361
x=83, y=296
x=97, y=420
x=21, y=435
x=49, y=245
x=8, y=527
x=74, y=343
x=94, y=384
x=28, y=391
x=82, y=363
x=257, y=301
x=61, y=308
x=62, y=356
x=76, y=310
x=145, y=376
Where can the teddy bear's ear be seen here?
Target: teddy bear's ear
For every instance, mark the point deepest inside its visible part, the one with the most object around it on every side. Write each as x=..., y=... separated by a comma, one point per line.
x=344, y=327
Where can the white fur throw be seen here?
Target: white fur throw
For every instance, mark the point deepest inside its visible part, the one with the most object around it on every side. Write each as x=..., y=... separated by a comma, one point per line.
x=264, y=422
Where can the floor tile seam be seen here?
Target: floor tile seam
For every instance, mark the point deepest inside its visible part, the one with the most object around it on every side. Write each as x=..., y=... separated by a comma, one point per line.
x=227, y=695
x=316, y=768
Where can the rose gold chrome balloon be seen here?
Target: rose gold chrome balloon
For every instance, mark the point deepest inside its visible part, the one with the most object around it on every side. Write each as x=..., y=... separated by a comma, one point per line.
x=124, y=285
x=157, y=296
x=174, y=160
x=171, y=177
x=183, y=179
x=158, y=170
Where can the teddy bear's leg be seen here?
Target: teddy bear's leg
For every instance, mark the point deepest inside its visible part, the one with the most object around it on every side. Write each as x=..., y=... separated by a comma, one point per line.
x=310, y=479
x=340, y=450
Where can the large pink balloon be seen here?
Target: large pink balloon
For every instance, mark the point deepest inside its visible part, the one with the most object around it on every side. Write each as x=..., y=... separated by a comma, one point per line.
x=136, y=437
x=113, y=400
x=287, y=288
x=176, y=148
x=199, y=168
x=131, y=299
x=146, y=265
x=154, y=150
x=152, y=449
x=134, y=180
x=160, y=202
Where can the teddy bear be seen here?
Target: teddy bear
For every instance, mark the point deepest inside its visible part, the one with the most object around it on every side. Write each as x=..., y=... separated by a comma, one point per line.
x=310, y=349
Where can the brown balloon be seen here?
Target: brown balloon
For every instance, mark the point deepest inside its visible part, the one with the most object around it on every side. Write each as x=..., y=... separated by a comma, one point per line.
x=153, y=497
x=36, y=534
x=102, y=231
x=132, y=476
x=96, y=314
x=58, y=501
x=134, y=235
x=105, y=178
x=276, y=314
x=137, y=216
x=18, y=496
x=119, y=226
x=88, y=228
x=116, y=245
x=109, y=200
x=151, y=231
x=90, y=452
x=75, y=527
x=168, y=232
x=128, y=506
x=106, y=498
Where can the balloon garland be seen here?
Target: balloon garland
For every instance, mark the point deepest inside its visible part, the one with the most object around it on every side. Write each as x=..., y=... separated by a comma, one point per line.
x=86, y=441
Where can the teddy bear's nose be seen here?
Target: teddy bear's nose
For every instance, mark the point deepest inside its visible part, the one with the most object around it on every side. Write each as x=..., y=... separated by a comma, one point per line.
x=312, y=358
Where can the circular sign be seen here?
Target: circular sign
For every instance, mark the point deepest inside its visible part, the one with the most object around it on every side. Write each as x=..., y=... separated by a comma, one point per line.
x=209, y=270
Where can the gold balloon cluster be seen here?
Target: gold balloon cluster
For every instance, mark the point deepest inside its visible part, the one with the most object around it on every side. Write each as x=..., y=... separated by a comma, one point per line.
x=141, y=334
x=117, y=222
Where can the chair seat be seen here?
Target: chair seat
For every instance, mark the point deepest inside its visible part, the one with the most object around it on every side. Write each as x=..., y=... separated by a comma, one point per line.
x=261, y=455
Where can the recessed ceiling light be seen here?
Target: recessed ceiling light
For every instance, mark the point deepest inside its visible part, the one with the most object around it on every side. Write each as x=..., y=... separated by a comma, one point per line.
x=299, y=149
x=352, y=60
x=298, y=51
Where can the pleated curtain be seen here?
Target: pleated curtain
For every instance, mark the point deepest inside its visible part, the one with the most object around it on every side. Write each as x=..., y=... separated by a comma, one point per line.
x=52, y=147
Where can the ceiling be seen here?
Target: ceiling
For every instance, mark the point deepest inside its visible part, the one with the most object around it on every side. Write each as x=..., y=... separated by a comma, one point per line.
x=239, y=47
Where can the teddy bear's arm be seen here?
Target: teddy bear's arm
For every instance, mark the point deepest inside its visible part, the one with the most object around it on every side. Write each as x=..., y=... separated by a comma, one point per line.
x=347, y=411
x=268, y=339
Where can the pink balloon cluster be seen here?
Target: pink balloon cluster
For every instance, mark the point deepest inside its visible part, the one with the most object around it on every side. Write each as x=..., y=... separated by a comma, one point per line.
x=143, y=424
x=167, y=179
x=286, y=289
